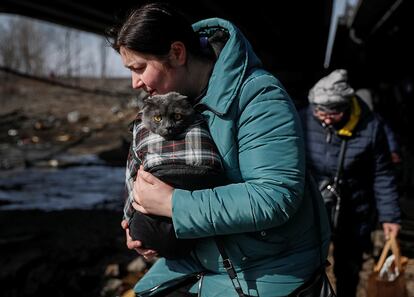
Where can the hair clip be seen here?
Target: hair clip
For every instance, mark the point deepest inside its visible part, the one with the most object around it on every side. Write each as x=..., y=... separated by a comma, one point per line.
x=204, y=42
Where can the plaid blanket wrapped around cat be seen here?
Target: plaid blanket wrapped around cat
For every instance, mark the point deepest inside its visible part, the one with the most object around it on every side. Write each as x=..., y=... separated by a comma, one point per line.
x=190, y=161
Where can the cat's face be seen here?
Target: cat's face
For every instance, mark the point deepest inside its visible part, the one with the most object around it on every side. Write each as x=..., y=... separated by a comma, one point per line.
x=167, y=115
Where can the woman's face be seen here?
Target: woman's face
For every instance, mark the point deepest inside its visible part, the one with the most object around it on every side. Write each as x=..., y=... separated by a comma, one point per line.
x=329, y=118
x=150, y=74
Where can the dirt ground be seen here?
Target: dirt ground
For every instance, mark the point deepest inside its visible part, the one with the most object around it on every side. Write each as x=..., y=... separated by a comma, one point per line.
x=38, y=120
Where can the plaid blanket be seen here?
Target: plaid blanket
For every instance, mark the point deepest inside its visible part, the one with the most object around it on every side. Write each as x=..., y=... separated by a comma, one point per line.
x=191, y=149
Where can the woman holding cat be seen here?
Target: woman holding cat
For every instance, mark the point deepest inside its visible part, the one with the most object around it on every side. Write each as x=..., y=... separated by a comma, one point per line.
x=269, y=217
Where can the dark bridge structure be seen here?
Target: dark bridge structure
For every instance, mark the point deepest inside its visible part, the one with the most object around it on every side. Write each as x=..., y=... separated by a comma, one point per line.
x=299, y=41
x=291, y=37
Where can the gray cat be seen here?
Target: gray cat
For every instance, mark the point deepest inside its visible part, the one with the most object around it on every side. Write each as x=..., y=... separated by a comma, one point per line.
x=184, y=157
x=167, y=115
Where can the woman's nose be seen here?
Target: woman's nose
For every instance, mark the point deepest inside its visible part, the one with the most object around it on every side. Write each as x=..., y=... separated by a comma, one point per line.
x=328, y=121
x=136, y=82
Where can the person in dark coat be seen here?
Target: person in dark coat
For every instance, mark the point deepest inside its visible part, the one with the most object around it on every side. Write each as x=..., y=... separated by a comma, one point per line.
x=367, y=185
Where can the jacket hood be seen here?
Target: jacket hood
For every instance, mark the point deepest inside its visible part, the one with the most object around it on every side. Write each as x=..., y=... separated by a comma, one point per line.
x=235, y=60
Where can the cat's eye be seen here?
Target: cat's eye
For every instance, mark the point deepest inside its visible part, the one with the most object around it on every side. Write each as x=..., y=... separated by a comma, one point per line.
x=177, y=116
x=157, y=118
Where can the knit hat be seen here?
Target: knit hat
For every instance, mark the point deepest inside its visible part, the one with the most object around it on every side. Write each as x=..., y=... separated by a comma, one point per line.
x=332, y=92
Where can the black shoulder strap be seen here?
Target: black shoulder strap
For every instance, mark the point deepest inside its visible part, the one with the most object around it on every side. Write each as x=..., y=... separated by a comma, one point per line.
x=228, y=265
x=340, y=162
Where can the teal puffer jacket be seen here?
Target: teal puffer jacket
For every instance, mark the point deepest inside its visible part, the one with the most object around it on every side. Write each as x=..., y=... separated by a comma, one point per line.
x=266, y=213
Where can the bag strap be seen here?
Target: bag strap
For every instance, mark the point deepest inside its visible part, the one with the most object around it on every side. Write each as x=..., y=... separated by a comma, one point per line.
x=341, y=158
x=395, y=249
x=335, y=189
x=228, y=265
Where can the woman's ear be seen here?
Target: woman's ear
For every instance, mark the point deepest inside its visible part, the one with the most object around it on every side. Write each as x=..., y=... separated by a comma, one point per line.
x=178, y=54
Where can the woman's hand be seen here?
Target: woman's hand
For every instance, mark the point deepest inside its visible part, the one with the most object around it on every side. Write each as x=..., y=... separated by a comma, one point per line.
x=136, y=245
x=390, y=229
x=151, y=195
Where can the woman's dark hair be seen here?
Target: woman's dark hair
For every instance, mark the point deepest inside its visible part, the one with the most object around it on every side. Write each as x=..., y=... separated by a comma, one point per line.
x=152, y=28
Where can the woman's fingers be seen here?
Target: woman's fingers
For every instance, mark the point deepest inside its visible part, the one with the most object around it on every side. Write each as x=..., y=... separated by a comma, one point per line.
x=131, y=244
x=139, y=208
x=136, y=244
x=147, y=177
x=390, y=229
x=147, y=254
x=124, y=224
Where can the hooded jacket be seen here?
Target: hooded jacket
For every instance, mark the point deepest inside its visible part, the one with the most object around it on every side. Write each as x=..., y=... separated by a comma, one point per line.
x=265, y=213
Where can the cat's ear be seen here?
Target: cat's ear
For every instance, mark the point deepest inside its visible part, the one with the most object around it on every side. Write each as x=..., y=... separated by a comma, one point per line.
x=182, y=101
x=177, y=96
x=152, y=100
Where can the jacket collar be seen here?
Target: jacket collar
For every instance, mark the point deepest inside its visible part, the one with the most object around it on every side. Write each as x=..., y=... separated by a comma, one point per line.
x=349, y=127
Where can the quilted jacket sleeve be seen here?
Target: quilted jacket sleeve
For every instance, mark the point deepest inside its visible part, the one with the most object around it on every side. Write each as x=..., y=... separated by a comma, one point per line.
x=271, y=163
x=385, y=186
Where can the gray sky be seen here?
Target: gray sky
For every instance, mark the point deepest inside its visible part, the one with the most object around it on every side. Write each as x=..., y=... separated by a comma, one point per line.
x=90, y=44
